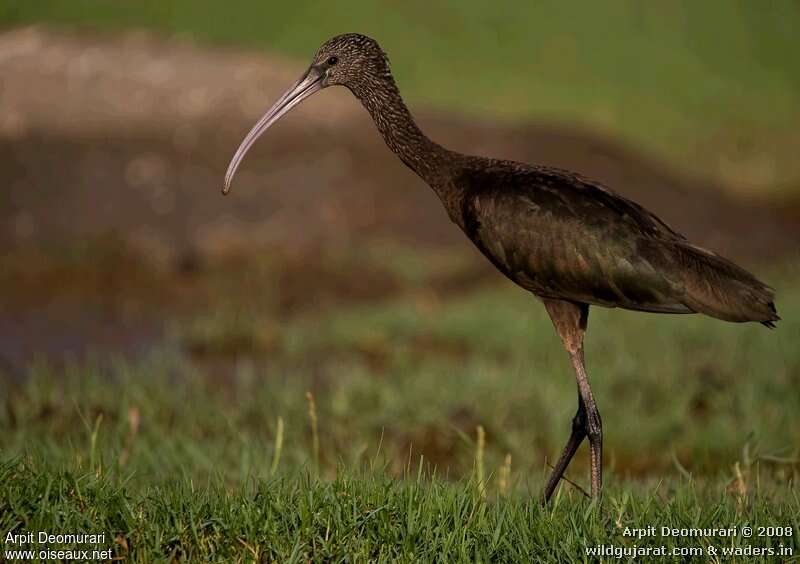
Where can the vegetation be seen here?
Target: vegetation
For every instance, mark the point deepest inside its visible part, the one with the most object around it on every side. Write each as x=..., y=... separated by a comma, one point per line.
x=373, y=518
x=709, y=85
x=206, y=448
x=390, y=404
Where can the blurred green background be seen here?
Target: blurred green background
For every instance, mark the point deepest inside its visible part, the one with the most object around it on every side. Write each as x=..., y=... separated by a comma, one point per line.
x=154, y=329
x=711, y=86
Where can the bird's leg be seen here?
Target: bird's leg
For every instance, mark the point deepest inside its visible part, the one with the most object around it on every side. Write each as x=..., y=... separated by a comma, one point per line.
x=575, y=440
x=570, y=321
x=594, y=425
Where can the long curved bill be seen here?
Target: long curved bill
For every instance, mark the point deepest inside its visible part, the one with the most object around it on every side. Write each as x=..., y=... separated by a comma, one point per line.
x=308, y=84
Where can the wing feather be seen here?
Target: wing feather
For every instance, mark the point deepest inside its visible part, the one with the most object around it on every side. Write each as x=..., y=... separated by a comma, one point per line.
x=562, y=236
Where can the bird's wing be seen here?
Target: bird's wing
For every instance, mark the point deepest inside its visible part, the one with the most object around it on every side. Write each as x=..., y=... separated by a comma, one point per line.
x=562, y=236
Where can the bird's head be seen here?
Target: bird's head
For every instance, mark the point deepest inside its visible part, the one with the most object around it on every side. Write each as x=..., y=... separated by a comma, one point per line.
x=352, y=60
x=349, y=60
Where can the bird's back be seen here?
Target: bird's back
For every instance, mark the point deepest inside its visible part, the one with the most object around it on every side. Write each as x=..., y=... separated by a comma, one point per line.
x=563, y=236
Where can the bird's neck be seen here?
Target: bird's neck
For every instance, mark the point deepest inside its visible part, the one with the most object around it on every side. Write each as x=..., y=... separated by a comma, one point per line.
x=396, y=125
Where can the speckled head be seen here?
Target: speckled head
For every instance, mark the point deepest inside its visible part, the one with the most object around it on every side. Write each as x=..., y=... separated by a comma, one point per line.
x=349, y=59
x=352, y=60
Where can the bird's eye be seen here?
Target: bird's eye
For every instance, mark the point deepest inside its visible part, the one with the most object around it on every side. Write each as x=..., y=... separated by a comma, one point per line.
x=332, y=61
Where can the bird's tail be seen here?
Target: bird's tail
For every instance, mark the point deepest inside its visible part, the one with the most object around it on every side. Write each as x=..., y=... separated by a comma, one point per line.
x=717, y=287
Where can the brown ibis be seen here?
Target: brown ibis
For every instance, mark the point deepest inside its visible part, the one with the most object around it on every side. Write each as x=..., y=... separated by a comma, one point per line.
x=569, y=240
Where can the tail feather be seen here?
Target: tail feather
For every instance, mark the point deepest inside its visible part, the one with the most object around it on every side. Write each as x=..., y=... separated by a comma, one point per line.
x=717, y=287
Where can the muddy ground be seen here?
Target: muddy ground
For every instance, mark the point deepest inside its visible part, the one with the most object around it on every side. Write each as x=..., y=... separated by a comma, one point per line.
x=117, y=146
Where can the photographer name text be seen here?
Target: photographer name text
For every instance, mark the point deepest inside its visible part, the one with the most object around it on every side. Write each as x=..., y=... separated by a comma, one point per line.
x=83, y=546
x=682, y=532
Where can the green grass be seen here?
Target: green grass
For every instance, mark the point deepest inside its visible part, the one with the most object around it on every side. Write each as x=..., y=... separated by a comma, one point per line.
x=370, y=517
x=203, y=449
x=711, y=85
x=179, y=453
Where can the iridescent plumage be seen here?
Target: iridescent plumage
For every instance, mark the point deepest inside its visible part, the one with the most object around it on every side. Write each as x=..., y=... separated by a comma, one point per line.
x=570, y=241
